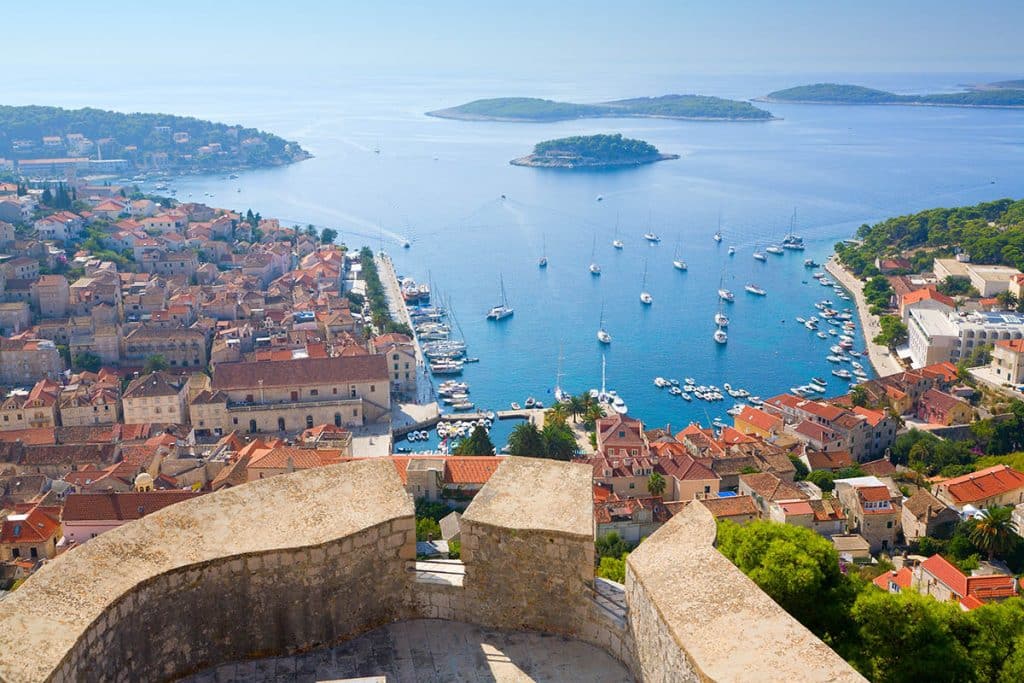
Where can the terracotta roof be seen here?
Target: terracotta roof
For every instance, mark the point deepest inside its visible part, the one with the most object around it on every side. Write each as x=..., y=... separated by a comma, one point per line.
x=298, y=458
x=878, y=468
x=731, y=506
x=927, y=293
x=1015, y=345
x=300, y=372
x=38, y=526
x=902, y=579
x=759, y=419
x=154, y=384
x=946, y=573
x=983, y=484
x=941, y=400
x=873, y=416
x=874, y=494
x=469, y=470
x=770, y=487
x=815, y=431
x=829, y=460
x=87, y=507
x=923, y=505
x=945, y=370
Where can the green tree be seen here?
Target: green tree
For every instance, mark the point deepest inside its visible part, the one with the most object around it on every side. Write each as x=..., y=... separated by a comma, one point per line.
x=328, y=235
x=908, y=637
x=527, y=440
x=578, y=405
x=155, y=363
x=477, y=443
x=559, y=441
x=796, y=567
x=994, y=532
x=656, y=484
x=88, y=361
x=801, y=469
x=893, y=333
x=859, y=396
x=610, y=545
x=427, y=529
x=1007, y=300
x=995, y=632
x=47, y=197
x=955, y=285
x=823, y=479
x=613, y=568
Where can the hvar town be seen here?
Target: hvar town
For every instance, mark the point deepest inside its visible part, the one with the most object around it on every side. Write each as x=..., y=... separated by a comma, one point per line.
x=246, y=434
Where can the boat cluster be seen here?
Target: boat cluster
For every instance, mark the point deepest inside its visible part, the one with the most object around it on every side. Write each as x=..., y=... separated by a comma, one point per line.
x=824, y=281
x=455, y=394
x=841, y=328
x=463, y=428
x=445, y=355
x=689, y=389
x=530, y=403
x=413, y=292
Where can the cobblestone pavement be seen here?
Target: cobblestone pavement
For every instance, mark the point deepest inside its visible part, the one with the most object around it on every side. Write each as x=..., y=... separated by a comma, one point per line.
x=433, y=650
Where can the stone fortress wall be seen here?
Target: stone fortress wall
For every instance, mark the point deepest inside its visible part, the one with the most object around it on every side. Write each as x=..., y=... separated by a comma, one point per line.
x=303, y=561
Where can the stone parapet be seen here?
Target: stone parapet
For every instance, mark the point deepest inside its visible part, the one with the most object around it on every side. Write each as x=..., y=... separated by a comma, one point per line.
x=695, y=617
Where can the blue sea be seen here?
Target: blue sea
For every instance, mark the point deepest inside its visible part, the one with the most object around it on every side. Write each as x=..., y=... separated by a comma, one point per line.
x=439, y=184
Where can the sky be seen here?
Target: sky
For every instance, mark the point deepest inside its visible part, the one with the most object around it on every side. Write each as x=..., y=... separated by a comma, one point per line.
x=520, y=36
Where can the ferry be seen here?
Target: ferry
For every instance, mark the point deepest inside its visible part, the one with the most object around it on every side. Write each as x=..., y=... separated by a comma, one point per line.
x=754, y=289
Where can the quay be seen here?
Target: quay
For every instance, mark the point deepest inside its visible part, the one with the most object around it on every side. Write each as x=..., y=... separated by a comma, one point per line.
x=881, y=359
x=400, y=312
x=532, y=414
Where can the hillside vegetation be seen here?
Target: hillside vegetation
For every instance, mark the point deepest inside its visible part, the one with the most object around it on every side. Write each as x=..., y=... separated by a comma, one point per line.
x=991, y=232
x=666, y=106
x=835, y=93
x=592, y=151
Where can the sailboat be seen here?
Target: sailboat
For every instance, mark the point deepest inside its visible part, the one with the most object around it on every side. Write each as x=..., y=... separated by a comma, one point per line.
x=645, y=296
x=720, y=336
x=543, y=261
x=718, y=233
x=723, y=293
x=502, y=310
x=616, y=242
x=594, y=268
x=561, y=395
x=721, y=319
x=792, y=240
x=602, y=334
x=758, y=255
x=678, y=263
x=732, y=251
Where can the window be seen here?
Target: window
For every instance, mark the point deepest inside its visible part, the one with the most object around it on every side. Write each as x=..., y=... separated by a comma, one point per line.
x=252, y=426
x=888, y=525
x=707, y=489
x=314, y=392
x=632, y=451
x=632, y=485
x=248, y=398
x=309, y=422
x=33, y=552
x=234, y=420
x=334, y=391
x=280, y=424
x=373, y=388
x=352, y=391
x=337, y=419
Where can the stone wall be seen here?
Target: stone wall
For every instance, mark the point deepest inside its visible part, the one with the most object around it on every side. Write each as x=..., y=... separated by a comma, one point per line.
x=695, y=617
x=273, y=567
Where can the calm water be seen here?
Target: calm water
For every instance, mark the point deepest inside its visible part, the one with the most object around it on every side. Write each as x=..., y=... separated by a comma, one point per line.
x=439, y=183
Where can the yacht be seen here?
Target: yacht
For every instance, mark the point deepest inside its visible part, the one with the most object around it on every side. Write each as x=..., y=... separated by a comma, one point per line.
x=774, y=249
x=759, y=256
x=810, y=263
x=726, y=295
x=502, y=310
x=679, y=264
x=645, y=296
x=721, y=319
x=543, y=260
x=792, y=240
x=616, y=242
x=602, y=334
x=842, y=373
x=754, y=289
x=718, y=233
x=732, y=251
x=819, y=380
x=651, y=237
x=720, y=336
x=594, y=268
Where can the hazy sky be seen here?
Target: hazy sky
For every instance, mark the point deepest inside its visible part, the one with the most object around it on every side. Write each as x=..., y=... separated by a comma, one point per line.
x=524, y=36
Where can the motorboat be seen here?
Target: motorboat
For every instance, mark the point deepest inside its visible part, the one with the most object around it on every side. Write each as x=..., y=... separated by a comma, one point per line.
x=502, y=310
x=736, y=409
x=720, y=336
x=822, y=335
x=810, y=263
x=754, y=289
x=618, y=244
x=595, y=269
x=732, y=251
x=661, y=382
x=842, y=373
x=679, y=264
x=717, y=236
x=651, y=237
x=675, y=391
x=685, y=396
x=819, y=380
x=515, y=406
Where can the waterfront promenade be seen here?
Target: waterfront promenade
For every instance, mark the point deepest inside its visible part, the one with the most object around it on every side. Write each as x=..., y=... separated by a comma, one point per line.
x=399, y=311
x=882, y=360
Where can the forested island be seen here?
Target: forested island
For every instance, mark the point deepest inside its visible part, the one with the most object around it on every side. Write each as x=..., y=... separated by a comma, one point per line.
x=592, y=151
x=138, y=141
x=992, y=232
x=834, y=93
x=532, y=109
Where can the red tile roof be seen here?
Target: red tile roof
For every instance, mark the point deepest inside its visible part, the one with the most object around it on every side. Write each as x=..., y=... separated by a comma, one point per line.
x=873, y=416
x=89, y=507
x=946, y=573
x=39, y=525
x=731, y=506
x=902, y=579
x=983, y=484
x=470, y=470
x=759, y=419
x=927, y=293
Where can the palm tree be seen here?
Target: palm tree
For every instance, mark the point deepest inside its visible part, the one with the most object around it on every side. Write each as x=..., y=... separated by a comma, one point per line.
x=656, y=484
x=577, y=406
x=994, y=532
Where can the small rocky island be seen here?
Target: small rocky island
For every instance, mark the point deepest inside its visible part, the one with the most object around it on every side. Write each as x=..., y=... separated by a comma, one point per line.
x=1003, y=94
x=592, y=151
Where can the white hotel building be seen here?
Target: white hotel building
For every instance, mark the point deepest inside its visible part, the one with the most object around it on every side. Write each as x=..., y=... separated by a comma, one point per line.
x=936, y=336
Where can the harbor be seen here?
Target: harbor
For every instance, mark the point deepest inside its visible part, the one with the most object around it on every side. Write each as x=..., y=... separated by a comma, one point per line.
x=881, y=359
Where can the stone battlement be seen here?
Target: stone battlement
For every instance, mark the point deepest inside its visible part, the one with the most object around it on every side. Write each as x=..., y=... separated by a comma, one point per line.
x=308, y=560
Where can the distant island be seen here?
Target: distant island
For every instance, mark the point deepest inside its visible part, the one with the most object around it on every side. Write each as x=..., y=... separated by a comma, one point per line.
x=532, y=109
x=46, y=141
x=592, y=151
x=995, y=95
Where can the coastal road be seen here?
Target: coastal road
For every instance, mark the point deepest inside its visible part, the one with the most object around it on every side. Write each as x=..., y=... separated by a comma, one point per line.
x=881, y=359
x=399, y=311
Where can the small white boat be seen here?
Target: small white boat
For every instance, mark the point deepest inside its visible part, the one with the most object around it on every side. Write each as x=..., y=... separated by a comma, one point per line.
x=800, y=320
x=604, y=337
x=530, y=402
x=651, y=237
x=732, y=251
x=675, y=391
x=718, y=235
x=689, y=381
x=735, y=410
x=822, y=335
x=502, y=310
x=645, y=296
x=754, y=289
x=726, y=295
x=720, y=336
x=679, y=264
x=661, y=382
x=842, y=373
x=595, y=269
x=543, y=262
x=685, y=396
x=618, y=244
x=721, y=320
x=759, y=256
x=774, y=249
